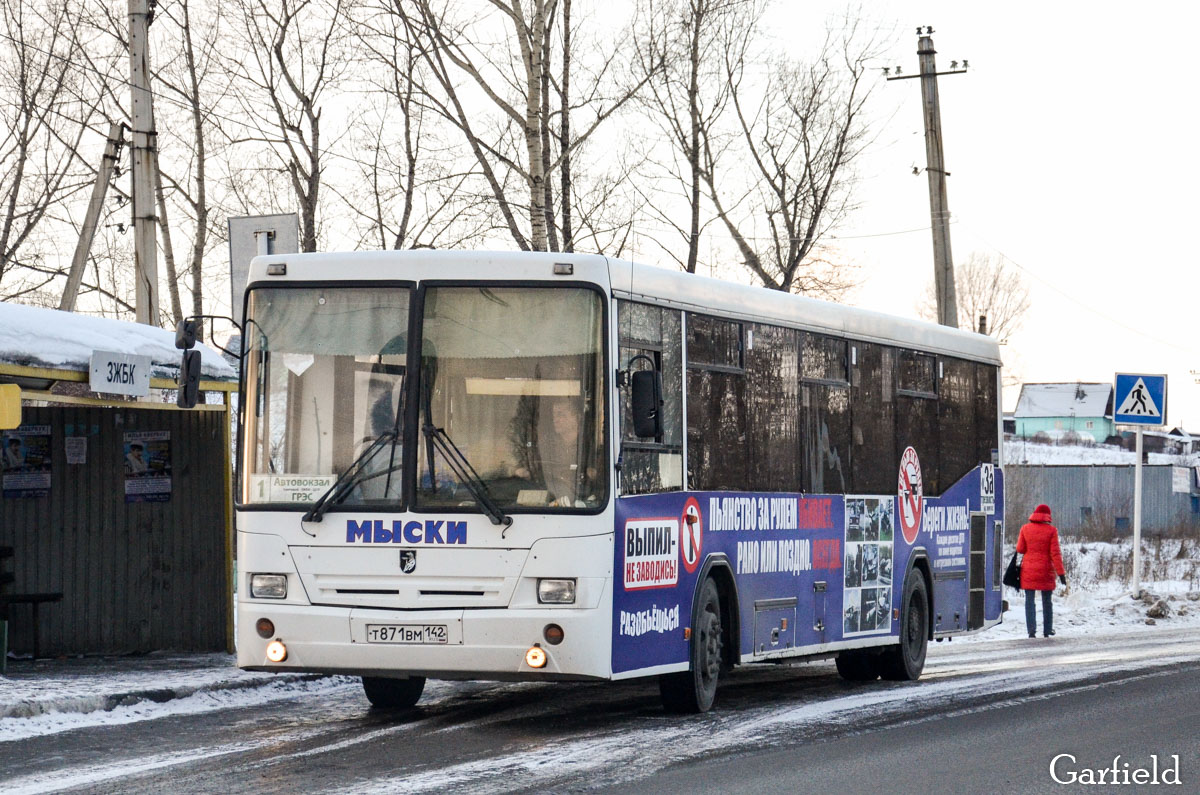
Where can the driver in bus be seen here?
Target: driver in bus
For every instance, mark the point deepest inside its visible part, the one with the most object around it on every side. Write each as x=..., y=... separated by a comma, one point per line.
x=561, y=451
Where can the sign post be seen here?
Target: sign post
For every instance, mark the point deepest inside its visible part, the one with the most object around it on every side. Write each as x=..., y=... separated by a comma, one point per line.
x=1139, y=400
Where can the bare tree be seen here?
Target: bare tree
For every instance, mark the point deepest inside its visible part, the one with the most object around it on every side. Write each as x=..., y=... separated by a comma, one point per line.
x=187, y=130
x=801, y=134
x=413, y=188
x=987, y=287
x=514, y=145
x=293, y=53
x=46, y=110
x=683, y=40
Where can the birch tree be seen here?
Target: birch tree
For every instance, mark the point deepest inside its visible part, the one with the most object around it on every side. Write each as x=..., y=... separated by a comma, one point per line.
x=526, y=138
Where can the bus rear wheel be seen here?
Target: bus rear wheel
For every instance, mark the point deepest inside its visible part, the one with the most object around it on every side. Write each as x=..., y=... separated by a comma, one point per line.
x=388, y=693
x=904, y=661
x=695, y=689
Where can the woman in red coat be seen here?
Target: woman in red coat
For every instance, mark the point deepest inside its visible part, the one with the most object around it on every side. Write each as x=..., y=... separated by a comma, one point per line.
x=1038, y=543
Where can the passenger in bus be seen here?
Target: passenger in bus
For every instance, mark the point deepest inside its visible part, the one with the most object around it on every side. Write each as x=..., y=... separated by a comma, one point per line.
x=1038, y=543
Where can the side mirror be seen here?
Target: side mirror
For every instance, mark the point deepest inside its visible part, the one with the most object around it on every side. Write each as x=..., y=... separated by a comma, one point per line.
x=189, y=380
x=185, y=334
x=647, y=404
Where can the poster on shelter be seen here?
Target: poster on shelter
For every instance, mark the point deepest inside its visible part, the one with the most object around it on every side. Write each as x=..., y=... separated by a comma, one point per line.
x=26, y=459
x=147, y=466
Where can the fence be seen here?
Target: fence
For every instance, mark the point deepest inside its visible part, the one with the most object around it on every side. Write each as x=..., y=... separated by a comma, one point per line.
x=140, y=552
x=1098, y=500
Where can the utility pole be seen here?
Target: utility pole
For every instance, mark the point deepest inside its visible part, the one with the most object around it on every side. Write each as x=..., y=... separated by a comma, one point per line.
x=939, y=206
x=141, y=149
x=99, y=190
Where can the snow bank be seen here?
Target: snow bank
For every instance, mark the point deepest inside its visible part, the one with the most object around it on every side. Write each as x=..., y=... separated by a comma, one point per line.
x=34, y=337
x=1019, y=451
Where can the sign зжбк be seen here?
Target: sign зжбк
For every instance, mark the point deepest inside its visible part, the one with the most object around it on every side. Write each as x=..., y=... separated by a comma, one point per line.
x=120, y=374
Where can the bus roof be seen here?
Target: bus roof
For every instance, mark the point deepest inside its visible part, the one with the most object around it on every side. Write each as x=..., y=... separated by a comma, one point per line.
x=642, y=283
x=717, y=297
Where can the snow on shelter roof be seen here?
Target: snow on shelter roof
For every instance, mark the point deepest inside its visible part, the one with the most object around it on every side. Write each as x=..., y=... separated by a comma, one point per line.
x=34, y=337
x=1064, y=400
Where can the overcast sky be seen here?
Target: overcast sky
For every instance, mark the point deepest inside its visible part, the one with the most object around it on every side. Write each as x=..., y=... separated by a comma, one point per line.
x=1072, y=151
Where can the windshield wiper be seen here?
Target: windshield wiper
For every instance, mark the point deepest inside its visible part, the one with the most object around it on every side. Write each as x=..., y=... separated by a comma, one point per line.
x=352, y=476
x=466, y=474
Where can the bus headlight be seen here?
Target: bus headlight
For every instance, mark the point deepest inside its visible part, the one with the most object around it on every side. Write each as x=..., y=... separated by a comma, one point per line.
x=268, y=586
x=556, y=592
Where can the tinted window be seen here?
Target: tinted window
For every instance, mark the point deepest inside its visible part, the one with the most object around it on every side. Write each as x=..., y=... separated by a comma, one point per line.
x=772, y=372
x=873, y=407
x=713, y=342
x=717, y=449
x=825, y=408
x=956, y=420
x=652, y=465
x=918, y=372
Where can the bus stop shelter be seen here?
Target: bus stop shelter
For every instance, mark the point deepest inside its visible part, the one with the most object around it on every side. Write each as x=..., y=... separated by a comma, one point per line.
x=116, y=514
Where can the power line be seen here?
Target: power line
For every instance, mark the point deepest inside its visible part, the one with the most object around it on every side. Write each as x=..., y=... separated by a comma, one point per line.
x=884, y=234
x=1076, y=301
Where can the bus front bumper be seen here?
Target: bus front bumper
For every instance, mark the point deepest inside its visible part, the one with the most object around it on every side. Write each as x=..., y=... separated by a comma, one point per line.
x=478, y=644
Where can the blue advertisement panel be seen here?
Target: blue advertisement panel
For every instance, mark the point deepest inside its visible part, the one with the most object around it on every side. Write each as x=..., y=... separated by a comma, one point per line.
x=810, y=570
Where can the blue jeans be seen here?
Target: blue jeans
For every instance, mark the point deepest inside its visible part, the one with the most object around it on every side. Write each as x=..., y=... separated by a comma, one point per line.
x=1031, y=612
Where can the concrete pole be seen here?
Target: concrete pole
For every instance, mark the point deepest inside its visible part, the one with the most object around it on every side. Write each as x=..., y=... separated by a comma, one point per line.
x=142, y=146
x=1137, y=517
x=939, y=206
x=88, y=232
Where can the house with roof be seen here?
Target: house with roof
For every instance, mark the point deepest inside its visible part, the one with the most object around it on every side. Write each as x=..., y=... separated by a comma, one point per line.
x=1058, y=410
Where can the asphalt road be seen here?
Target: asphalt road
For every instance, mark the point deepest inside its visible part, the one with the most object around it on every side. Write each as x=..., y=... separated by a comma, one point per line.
x=985, y=717
x=1006, y=747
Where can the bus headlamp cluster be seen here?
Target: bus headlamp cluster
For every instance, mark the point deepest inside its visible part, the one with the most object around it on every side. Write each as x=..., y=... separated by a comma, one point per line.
x=268, y=586
x=556, y=592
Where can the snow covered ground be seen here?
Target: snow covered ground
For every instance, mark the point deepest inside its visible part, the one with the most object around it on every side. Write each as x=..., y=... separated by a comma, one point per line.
x=52, y=696
x=1028, y=452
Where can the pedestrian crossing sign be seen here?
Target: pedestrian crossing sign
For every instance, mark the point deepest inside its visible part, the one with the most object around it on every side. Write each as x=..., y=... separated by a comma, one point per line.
x=1140, y=399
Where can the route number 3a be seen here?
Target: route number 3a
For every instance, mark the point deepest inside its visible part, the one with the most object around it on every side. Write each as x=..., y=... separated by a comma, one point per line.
x=987, y=488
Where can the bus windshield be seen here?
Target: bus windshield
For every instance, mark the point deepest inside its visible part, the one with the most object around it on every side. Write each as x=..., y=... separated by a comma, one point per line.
x=324, y=381
x=512, y=384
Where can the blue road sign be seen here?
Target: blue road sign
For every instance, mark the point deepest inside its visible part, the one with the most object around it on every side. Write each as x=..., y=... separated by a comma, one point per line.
x=1140, y=399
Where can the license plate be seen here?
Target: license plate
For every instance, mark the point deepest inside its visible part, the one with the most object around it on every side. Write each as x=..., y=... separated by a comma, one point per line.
x=406, y=633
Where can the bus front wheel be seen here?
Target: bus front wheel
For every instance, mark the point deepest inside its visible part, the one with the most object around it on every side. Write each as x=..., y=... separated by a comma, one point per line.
x=695, y=689
x=387, y=693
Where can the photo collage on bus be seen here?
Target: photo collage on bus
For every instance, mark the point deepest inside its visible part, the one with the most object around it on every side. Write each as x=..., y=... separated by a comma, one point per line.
x=867, y=589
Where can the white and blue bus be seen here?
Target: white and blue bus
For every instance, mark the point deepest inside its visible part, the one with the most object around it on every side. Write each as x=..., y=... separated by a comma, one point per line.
x=527, y=466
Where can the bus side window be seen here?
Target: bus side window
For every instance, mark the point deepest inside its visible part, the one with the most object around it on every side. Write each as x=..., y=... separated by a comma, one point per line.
x=825, y=408
x=956, y=420
x=873, y=413
x=652, y=465
x=917, y=413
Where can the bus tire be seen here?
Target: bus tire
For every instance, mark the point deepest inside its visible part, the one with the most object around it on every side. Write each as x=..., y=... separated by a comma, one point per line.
x=904, y=661
x=387, y=693
x=695, y=689
x=855, y=665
